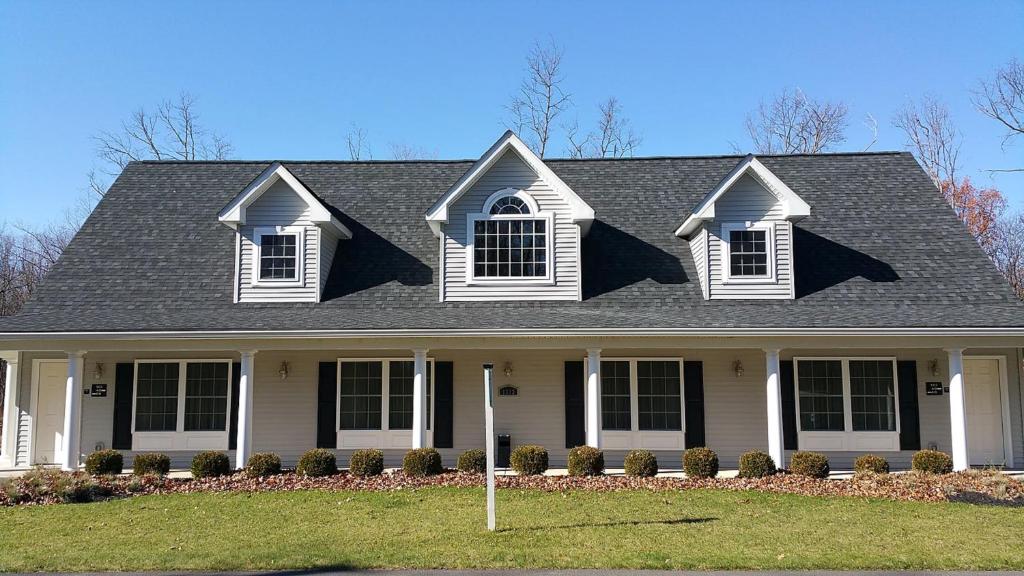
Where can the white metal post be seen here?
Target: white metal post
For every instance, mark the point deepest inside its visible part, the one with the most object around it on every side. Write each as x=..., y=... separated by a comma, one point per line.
x=958, y=409
x=489, y=440
x=243, y=447
x=419, y=399
x=10, y=414
x=774, y=399
x=71, y=439
x=594, y=397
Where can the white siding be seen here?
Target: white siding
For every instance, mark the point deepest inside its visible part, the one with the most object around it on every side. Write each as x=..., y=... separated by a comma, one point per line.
x=699, y=249
x=746, y=201
x=328, y=248
x=511, y=172
x=278, y=206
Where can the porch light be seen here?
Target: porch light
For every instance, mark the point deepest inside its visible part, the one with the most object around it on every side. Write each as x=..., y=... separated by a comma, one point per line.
x=737, y=367
x=283, y=371
x=508, y=370
x=97, y=372
x=933, y=367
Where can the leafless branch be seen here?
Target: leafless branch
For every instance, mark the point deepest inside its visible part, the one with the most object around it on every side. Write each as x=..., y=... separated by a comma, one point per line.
x=613, y=138
x=932, y=137
x=792, y=123
x=540, y=99
x=358, y=147
x=1002, y=98
x=406, y=152
x=872, y=125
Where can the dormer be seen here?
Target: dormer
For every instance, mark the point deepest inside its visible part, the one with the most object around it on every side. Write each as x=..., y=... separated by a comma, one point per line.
x=741, y=235
x=510, y=229
x=285, y=240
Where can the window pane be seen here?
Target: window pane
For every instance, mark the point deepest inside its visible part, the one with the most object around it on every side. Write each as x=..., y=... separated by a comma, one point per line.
x=873, y=395
x=615, y=409
x=156, y=397
x=509, y=248
x=361, y=395
x=278, y=256
x=658, y=395
x=206, y=396
x=821, y=395
x=400, y=399
x=748, y=253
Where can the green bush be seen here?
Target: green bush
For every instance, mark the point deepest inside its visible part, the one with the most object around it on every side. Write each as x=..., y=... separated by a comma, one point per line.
x=104, y=463
x=317, y=462
x=151, y=463
x=210, y=463
x=529, y=459
x=932, y=462
x=474, y=461
x=871, y=463
x=700, y=463
x=813, y=464
x=756, y=464
x=422, y=462
x=586, y=461
x=366, y=463
x=641, y=463
x=264, y=464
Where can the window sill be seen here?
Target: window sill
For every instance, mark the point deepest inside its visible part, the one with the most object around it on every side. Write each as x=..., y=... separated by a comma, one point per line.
x=146, y=441
x=750, y=280
x=278, y=283
x=511, y=282
x=849, y=441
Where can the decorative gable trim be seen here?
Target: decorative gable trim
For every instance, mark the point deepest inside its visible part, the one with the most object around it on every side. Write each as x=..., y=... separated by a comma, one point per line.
x=794, y=208
x=582, y=213
x=233, y=214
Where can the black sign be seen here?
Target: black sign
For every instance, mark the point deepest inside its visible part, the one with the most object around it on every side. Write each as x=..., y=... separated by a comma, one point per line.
x=933, y=388
x=99, y=390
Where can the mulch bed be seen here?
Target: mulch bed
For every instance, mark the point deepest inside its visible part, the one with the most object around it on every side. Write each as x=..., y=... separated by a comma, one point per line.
x=976, y=487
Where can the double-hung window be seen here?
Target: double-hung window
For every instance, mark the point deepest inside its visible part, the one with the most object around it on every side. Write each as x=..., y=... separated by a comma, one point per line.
x=377, y=394
x=278, y=255
x=510, y=240
x=186, y=397
x=642, y=403
x=847, y=403
x=748, y=252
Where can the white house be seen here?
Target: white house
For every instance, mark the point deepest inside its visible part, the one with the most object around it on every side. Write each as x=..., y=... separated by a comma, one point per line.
x=829, y=302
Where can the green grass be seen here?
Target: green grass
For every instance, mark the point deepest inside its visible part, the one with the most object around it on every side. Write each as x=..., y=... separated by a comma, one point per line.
x=445, y=528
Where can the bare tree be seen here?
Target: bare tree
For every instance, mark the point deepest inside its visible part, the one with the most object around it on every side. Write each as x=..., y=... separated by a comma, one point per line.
x=614, y=137
x=540, y=99
x=401, y=151
x=792, y=123
x=932, y=137
x=358, y=146
x=172, y=132
x=1002, y=99
x=1008, y=252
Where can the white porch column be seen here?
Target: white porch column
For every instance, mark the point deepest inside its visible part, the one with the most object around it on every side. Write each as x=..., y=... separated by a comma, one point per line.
x=594, y=397
x=419, y=398
x=243, y=446
x=71, y=438
x=774, y=397
x=7, y=440
x=957, y=408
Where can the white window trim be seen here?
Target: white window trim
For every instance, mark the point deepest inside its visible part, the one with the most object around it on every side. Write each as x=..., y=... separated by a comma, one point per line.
x=634, y=438
x=179, y=439
x=848, y=440
x=300, y=255
x=535, y=214
x=769, y=229
x=384, y=438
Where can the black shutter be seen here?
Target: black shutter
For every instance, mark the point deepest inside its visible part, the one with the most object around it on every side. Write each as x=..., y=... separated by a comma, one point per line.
x=327, y=406
x=789, y=436
x=236, y=384
x=693, y=395
x=910, y=421
x=124, y=383
x=575, y=428
x=444, y=405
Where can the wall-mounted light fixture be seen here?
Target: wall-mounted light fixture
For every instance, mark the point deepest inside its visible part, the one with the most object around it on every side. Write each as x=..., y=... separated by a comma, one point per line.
x=508, y=370
x=737, y=367
x=97, y=372
x=283, y=371
x=933, y=368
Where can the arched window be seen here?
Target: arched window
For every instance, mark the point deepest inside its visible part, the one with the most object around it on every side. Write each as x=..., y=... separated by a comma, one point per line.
x=510, y=239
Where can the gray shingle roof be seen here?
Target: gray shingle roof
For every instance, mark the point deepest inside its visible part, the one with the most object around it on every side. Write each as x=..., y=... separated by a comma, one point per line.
x=880, y=249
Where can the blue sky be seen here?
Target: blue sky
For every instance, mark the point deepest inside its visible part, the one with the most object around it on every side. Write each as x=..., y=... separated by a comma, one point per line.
x=286, y=80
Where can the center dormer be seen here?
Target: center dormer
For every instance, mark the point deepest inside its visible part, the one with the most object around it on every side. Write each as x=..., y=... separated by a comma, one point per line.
x=510, y=229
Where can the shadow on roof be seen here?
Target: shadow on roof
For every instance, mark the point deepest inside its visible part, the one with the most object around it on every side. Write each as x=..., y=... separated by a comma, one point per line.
x=369, y=260
x=822, y=263
x=614, y=259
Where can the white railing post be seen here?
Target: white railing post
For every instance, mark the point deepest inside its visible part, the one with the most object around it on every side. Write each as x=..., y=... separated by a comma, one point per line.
x=7, y=439
x=71, y=437
x=489, y=441
x=774, y=399
x=243, y=445
x=594, y=397
x=958, y=409
x=419, y=399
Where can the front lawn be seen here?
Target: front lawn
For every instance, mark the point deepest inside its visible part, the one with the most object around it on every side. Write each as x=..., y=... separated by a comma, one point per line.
x=445, y=528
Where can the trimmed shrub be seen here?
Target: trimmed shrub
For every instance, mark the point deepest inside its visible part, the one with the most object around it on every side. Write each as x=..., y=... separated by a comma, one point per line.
x=700, y=463
x=641, y=463
x=529, y=459
x=871, y=463
x=422, y=462
x=756, y=464
x=209, y=464
x=151, y=463
x=317, y=462
x=813, y=464
x=366, y=463
x=586, y=461
x=263, y=464
x=932, y=462
x=474, y=461
x=104, y=463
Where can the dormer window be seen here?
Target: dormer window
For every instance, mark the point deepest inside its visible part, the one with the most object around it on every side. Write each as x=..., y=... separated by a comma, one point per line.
x=748, y=249
x=277, y=254
x=510, y=240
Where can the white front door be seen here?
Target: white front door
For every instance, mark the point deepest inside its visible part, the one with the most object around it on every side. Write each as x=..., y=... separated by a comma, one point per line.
x=50, y=384
x=984, y=412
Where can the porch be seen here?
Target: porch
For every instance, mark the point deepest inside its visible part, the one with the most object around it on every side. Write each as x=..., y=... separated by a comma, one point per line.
x=663, y=397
